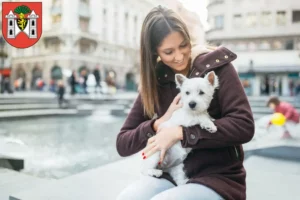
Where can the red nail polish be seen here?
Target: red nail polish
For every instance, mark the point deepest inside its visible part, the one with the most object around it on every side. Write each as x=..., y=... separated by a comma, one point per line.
x=143, y=154
x=158, y=163
x=144, y=157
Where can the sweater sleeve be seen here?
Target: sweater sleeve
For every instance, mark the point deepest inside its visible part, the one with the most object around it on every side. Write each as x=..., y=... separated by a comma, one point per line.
x=289, y=110
x=235, y=127
x=136, y=130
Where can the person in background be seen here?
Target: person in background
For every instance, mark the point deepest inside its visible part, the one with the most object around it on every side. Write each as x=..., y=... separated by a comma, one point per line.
x=73, y=82
x=97, y=75
x=287, y=109
x=298, y=93
x=60, y=93
x=84, y=76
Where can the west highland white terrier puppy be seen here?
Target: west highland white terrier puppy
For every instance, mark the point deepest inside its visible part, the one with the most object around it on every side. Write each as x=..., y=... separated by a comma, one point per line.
x=196, y=95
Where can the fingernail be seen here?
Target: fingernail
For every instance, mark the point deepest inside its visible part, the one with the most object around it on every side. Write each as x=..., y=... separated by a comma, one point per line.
x=159, y=163
x=143, y=154
x=144, y=157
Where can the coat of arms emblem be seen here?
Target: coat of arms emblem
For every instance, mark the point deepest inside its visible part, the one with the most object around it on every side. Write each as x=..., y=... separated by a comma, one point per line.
x=22, y=23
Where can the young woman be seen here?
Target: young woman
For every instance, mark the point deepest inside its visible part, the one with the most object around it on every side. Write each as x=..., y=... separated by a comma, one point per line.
x=215, y=165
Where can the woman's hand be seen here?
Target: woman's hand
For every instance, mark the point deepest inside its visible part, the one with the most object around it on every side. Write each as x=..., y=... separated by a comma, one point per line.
x=174, y=106
x=162, y=141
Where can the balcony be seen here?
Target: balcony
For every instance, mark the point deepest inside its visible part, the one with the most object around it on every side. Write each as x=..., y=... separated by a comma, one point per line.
x=214, y=2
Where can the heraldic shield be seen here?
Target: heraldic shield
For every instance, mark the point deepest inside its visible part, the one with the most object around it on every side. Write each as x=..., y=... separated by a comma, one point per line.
x=22, y=23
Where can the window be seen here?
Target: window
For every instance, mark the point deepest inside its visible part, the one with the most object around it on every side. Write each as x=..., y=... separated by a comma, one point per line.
x=84, y=48
x=264, y=45
x=84, y=24
x=281, y=18
x=237, y=21
x=241, y=46
x=104, y=14
x=84, y=1
x=277, y=45
x=135, y=29
x=125, y=27
x=251, y=20
x=219, y=22
x=10, y=22
x=116, y=33
x=32, y=23
x=252, y=46
x=289, y=45
x=56, y=19
x=266, y=18
x=296, y=16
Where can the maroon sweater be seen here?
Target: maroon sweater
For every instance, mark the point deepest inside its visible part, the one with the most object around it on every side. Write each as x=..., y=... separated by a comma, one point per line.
x=216, y=159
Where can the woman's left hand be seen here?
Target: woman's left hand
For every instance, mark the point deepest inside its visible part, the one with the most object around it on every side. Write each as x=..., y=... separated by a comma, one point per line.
x=162, y=141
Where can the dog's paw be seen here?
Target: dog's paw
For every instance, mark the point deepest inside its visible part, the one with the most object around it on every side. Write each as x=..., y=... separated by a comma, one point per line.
x=155, y=172
x=211, y=129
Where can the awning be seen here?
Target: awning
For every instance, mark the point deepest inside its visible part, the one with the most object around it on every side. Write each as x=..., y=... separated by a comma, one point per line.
x=269, y=69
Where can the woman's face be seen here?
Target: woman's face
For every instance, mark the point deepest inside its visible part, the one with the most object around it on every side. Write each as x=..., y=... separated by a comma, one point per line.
x=175, y=52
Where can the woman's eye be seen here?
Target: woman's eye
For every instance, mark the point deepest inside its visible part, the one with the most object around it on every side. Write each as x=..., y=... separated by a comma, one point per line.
x=168, y=53
x=183, y=45
x=201, y=92
x=187, y=93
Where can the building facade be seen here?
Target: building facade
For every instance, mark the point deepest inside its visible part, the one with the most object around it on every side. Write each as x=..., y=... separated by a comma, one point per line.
x=265, y=34
x=83, y=34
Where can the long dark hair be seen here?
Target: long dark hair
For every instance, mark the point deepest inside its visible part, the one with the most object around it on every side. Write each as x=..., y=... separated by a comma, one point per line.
x=159, y=23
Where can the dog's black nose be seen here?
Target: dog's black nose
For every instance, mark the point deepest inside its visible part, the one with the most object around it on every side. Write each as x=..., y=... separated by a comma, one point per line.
x=192, y=104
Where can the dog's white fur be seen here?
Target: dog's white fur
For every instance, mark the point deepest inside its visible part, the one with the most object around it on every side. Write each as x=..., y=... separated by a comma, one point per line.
x=195, y=91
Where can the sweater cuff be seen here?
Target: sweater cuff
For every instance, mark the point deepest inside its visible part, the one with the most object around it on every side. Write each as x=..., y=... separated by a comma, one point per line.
x=189, y=138
x=148, y=131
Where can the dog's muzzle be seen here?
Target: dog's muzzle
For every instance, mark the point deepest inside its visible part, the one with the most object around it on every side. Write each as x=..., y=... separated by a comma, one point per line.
x=192, y=104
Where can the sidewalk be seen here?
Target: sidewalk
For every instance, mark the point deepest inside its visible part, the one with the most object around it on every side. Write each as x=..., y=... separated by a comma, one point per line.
x=267, y=178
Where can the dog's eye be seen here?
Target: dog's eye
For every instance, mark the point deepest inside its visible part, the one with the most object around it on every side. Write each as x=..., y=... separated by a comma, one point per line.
x=201, y=92
x=187, y=93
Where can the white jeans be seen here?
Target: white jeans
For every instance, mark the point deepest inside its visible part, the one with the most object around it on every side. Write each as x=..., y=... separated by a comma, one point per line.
x=149, y=188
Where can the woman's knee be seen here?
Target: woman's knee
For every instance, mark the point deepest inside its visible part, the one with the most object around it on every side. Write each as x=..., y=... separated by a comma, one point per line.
x=145, y=188
x=188, y=192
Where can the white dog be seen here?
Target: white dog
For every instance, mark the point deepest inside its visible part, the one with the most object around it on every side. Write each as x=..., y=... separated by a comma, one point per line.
x=196, y=95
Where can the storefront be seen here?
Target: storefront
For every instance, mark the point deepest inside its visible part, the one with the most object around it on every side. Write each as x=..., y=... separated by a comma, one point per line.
x=248, y=81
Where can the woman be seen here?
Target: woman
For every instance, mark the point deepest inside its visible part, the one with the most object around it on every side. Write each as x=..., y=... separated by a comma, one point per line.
x=215, y=165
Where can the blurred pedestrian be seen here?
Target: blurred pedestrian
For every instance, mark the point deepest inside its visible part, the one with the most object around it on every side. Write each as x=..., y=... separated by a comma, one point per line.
x=291, y=87
x=52, y=85
x=73, y=82
x=84, y=76
x=60, y=93
x=298, y=93
x=288, y=110
x=97, y=75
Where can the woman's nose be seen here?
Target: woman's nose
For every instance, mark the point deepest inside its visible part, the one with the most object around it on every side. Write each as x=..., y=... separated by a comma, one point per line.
x=179, y=57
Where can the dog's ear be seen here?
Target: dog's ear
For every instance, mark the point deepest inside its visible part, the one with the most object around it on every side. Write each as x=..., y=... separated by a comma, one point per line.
x=179, y=79
x=212, y=78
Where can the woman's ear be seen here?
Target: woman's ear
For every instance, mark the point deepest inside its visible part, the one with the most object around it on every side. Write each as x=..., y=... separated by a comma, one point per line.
x=179, y=79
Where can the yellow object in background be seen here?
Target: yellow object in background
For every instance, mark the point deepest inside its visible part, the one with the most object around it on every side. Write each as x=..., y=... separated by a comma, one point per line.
x=278, y=119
